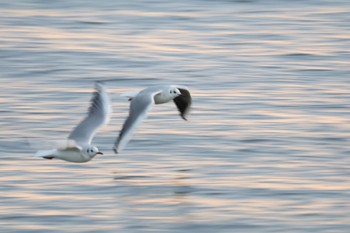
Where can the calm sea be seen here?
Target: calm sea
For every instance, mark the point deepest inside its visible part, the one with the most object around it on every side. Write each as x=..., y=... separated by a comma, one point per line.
x=266, y=148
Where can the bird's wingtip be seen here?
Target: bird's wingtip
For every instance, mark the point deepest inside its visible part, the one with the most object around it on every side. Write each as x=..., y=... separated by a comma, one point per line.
x=183, y=117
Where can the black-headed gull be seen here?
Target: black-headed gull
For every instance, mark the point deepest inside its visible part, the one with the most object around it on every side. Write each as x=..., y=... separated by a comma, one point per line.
x=78, y=147
x=142, y=102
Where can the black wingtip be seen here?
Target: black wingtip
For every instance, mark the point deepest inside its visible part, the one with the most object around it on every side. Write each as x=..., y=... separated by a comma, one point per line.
x=183, y=102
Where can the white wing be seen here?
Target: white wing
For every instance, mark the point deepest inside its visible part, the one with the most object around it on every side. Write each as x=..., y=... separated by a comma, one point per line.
x=98, y=114
x=140, y=105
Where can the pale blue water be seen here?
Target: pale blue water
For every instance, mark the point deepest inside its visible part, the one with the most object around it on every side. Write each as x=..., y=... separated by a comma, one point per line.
x=267, y=145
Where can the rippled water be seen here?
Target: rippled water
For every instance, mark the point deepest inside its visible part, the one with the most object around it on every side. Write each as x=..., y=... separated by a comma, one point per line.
x=267, y=145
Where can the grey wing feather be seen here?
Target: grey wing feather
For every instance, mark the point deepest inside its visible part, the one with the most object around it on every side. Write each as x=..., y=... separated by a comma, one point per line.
x=183, y=102
x=98, y=114
x=139, y=107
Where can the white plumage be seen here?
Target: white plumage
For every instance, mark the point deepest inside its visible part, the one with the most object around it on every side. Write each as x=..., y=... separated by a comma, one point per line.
x=142, y=102
x=77, y=148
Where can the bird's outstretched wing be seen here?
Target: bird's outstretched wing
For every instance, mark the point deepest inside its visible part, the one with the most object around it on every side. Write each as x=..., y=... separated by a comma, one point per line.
x=183, y=102
x=98, y=114
x=140, y=105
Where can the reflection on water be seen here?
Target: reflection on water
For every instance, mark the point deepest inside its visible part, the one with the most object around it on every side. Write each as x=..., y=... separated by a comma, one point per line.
x=265, y=149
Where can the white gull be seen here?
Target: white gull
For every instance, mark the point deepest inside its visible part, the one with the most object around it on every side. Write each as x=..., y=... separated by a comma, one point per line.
x=142, y=102
x=77, y=148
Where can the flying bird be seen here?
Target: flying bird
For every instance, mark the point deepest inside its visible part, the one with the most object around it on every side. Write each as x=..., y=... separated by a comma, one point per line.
x=77, y=148
x=142, y=102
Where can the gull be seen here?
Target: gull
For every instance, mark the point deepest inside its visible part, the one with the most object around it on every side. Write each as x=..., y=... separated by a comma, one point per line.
x=142, y=102
x=77, y=148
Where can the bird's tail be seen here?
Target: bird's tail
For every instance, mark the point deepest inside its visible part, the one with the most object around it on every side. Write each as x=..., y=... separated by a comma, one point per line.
x=44, y=153
x=129, y=95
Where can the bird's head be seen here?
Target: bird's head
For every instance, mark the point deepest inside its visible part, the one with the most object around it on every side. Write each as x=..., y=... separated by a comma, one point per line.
x=92, y=151
x=173, y=92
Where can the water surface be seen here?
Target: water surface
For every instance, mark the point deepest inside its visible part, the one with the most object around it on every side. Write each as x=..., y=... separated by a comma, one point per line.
x=266, y=148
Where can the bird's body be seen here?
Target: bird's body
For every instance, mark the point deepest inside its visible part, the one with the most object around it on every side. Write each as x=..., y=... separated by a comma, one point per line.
x=142, y=102
x=74, y=155
x=159, y=96
x=77, y=148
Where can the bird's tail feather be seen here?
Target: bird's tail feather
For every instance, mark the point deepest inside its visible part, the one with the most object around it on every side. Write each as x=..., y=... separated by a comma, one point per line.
x=43, y=153
x=129, y=95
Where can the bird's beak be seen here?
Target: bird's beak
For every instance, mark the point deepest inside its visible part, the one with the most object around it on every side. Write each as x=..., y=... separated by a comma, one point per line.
x=99, y=153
